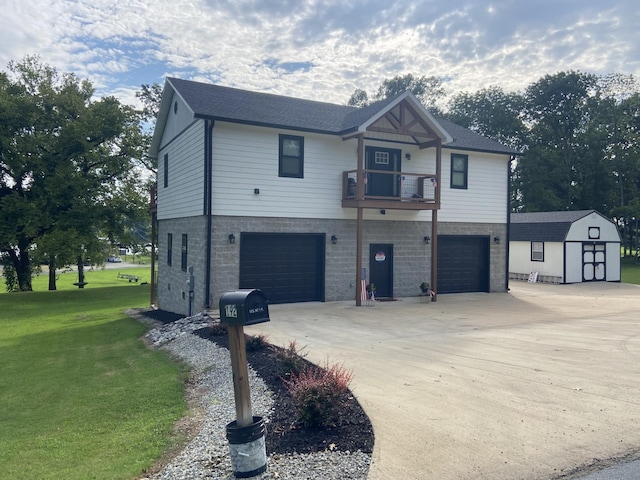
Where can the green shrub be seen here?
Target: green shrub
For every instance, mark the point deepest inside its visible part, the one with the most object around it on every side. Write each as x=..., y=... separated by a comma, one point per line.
x=218, y=328
x=255, y=343
x=291, y=361
x=319, y=394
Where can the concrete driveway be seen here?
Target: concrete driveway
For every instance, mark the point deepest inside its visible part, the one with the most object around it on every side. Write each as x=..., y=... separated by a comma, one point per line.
x=530, y=384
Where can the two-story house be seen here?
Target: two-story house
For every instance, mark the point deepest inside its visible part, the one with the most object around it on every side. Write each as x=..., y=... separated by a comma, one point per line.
x=310, y=201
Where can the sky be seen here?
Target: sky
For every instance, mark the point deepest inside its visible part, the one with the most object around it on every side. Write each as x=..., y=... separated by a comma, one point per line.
x=321, y=50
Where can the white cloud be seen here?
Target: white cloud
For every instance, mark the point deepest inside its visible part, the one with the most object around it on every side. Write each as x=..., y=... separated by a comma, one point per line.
x=344, y=45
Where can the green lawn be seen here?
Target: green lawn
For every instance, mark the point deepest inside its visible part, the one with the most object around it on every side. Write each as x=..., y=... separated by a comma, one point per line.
x=80, y=395
x=630, y=270
x=96, y=278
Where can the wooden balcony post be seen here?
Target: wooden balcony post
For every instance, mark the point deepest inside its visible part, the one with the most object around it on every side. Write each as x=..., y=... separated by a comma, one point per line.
x=438, y=171
x=360, y=220
x=434, y=254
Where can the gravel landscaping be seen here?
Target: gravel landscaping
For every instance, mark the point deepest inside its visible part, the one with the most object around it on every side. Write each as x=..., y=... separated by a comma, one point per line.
x=322, y=453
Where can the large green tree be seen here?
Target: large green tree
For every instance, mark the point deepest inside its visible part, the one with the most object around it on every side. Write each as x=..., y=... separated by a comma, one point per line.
x=557, y=110
x=67, y=167
x=428, y=90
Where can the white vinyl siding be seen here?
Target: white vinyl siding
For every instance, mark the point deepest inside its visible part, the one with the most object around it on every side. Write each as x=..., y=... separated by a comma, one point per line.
x=183, y=196
x=520, y=259
x=245, y=158
x=573, y=261
x=613, y=262
x=485, y=198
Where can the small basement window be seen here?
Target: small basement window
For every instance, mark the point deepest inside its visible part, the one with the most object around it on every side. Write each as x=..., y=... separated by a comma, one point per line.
x=537, y=251
x=183, y=259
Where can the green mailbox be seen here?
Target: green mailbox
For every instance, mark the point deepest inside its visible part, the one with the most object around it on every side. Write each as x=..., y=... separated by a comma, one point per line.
x=244, y=307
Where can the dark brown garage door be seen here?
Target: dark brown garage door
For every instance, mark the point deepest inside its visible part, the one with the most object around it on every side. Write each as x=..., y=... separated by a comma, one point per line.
x=287, y=267
x=463, y=264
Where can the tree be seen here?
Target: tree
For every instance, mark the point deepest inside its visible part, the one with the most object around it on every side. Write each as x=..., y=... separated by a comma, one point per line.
x=428, y=90
x=66, y=165
x=491, y=112
x=557, y=111
x=359, y=98
x=151, y=97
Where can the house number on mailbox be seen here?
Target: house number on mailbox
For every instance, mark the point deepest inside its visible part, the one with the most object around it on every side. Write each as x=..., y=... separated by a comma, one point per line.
x=231, y=311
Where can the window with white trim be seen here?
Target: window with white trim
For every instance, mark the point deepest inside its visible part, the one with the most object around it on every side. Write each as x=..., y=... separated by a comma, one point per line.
x=537, y=251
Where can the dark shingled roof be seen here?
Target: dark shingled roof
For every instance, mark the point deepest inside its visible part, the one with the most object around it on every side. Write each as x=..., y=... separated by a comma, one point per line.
x=543, y=226
x=255, y=108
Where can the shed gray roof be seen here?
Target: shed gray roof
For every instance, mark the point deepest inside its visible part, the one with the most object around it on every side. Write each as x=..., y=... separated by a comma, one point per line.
x=543, y=226
x=265, y=109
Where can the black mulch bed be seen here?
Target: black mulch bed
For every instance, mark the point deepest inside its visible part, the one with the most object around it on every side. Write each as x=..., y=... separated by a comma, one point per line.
x=350, y=431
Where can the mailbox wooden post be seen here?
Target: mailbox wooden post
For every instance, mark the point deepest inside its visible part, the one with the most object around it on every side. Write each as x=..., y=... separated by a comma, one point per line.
x=246, y=433
x=238, y=352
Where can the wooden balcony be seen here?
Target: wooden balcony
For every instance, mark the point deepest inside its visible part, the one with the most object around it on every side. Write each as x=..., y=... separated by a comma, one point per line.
x=391, y=190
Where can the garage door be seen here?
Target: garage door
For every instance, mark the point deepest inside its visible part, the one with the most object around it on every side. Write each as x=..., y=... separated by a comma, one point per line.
x=463, y=264
x=286, y=267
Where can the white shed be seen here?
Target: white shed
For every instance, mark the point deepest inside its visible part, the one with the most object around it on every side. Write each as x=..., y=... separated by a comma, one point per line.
x=564, y=247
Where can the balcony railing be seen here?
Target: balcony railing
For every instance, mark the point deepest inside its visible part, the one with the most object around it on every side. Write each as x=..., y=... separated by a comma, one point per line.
x=392, y=190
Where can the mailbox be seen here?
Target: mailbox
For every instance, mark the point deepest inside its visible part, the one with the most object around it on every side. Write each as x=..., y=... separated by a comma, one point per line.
x=244, y=307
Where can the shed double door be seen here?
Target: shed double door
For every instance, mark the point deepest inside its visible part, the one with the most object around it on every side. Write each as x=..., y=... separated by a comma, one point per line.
x=594, y=262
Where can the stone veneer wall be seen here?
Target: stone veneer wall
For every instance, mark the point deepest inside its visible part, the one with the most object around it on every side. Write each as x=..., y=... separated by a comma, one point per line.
x=411, y=257
x=172, y=288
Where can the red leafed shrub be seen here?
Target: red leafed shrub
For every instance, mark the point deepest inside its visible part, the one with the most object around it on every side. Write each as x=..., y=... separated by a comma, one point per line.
x=319, y=394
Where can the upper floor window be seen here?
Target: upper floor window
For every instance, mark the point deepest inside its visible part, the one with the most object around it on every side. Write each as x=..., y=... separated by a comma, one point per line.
x=183, y=263
x=537, y=251
x=459, y=170
x=169, y=248
x=165, y=168
x=291, y=162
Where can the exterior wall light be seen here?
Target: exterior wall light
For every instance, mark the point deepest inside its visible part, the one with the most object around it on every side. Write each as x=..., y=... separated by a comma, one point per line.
x=407, y=156
x=496, y=240
x=426, y=239
x=232, y=238
x=334, y=239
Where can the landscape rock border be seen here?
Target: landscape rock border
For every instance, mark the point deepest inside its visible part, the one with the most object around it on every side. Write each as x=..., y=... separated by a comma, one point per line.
x=210, y=394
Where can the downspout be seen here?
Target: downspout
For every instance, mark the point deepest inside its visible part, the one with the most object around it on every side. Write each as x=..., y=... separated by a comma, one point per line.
x=508, y=251
x=208, y=188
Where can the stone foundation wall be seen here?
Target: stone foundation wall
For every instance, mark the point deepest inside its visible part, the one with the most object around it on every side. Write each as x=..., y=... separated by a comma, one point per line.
x=411, y=257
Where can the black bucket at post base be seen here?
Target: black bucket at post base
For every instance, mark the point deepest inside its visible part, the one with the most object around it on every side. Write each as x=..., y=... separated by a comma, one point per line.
x=247, y=448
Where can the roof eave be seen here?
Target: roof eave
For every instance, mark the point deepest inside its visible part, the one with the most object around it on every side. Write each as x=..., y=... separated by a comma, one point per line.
x=265, y=124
